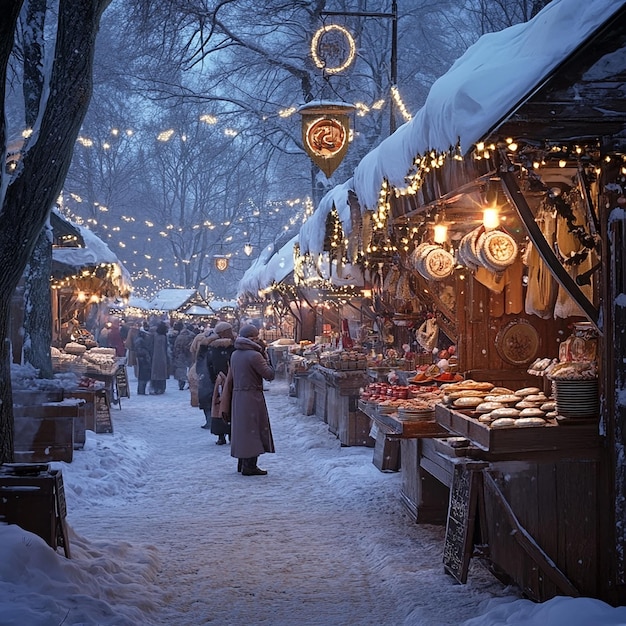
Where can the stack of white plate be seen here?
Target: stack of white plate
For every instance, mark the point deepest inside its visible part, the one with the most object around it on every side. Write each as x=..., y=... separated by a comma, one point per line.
x=576, y=398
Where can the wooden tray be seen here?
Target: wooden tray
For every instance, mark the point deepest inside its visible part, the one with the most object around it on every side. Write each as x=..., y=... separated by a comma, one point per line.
x=504, y=440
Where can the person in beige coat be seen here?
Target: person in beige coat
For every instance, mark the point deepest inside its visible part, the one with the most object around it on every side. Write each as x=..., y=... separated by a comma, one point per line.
x=251, y=433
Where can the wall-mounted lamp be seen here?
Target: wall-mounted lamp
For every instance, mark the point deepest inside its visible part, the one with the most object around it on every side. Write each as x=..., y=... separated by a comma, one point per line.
x=491, y=218
x=440, y=232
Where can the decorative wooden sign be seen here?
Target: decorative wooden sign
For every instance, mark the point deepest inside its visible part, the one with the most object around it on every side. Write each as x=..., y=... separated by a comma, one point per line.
x=121, y=380
x=460, y=524
x=326, y=133
x=103, y=413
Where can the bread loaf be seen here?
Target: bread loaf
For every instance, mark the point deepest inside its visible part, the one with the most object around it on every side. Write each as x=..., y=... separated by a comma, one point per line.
x=503, y=422
x=525, y=422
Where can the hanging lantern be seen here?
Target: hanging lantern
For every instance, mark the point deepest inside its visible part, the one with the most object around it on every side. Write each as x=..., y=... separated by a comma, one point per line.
x=221, y=262
x=247, y=248
x=326, y=132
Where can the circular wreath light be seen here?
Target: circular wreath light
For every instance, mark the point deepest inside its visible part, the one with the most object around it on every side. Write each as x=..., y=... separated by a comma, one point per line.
x=315, y=43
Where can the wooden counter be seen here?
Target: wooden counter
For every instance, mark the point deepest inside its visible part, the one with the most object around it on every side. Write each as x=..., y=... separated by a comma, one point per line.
x=333, y=396
x=492, y=443
x=535, y=500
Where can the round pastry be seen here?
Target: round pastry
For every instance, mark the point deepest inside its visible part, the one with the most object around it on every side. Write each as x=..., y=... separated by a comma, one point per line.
x=420, y=253
x=503, y=422
x=525, y=422
x=437, y=264
x=467, y=250
x=531, y=413
x=505, y=412
x=496, y=250
x=524, y=404
x=487, y=407
x=536, y=397
x=507, y=398
x=469, y=402
x=502, y=390
x=527, y=391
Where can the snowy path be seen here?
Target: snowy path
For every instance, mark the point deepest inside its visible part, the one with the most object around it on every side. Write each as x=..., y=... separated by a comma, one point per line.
x=323, y=539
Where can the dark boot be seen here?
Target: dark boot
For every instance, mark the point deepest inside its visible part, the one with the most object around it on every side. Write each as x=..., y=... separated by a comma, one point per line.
x=250, y=468
x=239, y=465
x=221, y=440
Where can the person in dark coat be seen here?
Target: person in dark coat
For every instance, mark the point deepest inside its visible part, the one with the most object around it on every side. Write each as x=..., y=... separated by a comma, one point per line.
x=143, y=355
x=251, y=434
x=160, y=360
x=181, y=355
x=213, y=358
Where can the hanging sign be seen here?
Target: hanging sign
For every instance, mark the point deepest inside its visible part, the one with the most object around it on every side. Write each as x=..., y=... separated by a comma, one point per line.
x=221, y=262
x=326, y=132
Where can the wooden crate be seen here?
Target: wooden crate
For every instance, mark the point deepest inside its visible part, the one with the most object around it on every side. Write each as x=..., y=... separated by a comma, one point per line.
x=386, y=452
x=354, y=426
x=89, y=408
x=45, y=433
x=33, y=497
x=30, y=397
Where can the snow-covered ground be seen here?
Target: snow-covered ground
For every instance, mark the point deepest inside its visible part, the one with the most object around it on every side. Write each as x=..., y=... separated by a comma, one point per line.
x=163, y=530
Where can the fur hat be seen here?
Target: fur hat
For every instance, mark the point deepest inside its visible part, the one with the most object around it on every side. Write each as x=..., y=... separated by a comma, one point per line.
x=222, y=327
x=249, y=330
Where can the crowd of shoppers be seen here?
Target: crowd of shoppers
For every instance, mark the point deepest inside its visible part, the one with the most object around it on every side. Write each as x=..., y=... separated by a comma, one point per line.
x=223, y=370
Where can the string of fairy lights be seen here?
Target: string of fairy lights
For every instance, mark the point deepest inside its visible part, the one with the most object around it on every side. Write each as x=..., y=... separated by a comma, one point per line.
x=299, y=210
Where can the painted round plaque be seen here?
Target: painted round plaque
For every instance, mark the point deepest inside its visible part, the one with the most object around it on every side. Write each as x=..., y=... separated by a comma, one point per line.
x=518, y=342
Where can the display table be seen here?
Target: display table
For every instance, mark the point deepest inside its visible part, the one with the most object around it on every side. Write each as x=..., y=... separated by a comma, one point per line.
x=397, y=448
x=333, y=396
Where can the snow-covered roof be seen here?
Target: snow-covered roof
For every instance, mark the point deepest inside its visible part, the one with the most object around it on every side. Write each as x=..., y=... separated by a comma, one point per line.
x=481, y=88
x=172, y=299
x=312, y=232
x=138, y=303
x=217, y=305
x=199, y=310
x=267, y=270
x=94, y=253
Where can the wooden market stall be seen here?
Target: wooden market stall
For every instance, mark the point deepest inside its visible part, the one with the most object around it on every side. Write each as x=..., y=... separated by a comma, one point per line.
x=535, y=292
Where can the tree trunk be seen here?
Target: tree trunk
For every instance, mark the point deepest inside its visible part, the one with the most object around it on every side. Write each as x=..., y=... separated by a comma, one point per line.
x=37, y=299
x=38, y=307
x=31, y=190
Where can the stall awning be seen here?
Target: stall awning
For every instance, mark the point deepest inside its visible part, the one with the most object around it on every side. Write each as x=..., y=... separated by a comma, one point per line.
x=486, y=85
x=268, y=269
x=89, y=253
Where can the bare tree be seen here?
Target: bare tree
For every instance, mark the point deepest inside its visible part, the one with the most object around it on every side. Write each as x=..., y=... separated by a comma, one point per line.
x=29, y=190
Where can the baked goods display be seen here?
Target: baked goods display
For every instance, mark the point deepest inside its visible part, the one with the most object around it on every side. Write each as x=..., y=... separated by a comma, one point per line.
x=411, y=402
x=499, y=407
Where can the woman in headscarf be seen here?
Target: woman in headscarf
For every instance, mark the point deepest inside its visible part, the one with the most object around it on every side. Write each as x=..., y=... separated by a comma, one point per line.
x=251, y=434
